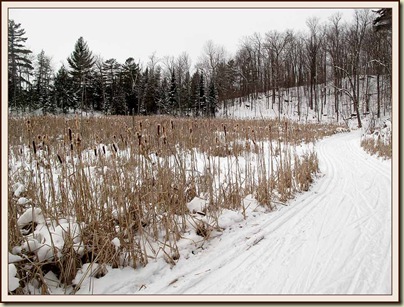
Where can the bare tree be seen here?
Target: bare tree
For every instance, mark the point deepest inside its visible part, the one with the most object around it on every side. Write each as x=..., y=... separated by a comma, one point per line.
x=275, y=44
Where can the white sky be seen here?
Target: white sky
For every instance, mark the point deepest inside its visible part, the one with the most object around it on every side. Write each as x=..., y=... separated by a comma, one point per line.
x=137, y=33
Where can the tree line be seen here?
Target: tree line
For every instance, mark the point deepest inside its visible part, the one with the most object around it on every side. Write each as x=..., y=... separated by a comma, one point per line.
x=332, y=55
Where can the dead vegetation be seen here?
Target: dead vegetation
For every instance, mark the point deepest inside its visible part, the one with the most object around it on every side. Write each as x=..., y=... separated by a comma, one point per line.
x=129, y=179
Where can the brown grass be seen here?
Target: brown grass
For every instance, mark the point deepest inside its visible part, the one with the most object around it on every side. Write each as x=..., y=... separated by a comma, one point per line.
x=131, y=177
x=377, y=147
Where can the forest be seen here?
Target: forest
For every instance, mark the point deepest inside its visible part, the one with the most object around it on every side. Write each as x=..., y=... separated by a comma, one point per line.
x=319, y=58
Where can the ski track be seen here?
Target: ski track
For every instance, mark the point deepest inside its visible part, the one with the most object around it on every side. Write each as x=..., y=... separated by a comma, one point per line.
x=334, y=239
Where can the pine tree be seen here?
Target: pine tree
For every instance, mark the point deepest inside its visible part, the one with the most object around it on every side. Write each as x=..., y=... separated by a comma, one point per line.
x=81, y=62
x=19, y=65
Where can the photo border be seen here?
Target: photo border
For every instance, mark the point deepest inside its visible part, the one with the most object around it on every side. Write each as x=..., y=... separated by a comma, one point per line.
x=396, y=218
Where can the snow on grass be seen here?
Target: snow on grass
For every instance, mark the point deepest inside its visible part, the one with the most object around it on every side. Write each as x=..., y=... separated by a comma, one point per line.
x=168, y=209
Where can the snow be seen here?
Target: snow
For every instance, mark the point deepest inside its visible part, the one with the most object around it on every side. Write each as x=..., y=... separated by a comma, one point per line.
x=333, y=239
x=31, y=215
x=13, y=282
x=197, y=204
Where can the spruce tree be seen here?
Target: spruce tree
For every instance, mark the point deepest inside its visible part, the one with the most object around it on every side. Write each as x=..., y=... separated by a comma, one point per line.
x=162, y=99
x=173, y=94
x=212, y=99
x=194, y=94
x=63, y=92
x=202, y=97
x=81, y=62
x=43, y=86
x=130, y=72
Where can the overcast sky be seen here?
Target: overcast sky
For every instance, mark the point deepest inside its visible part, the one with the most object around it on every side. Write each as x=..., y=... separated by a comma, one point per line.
x=137, y=33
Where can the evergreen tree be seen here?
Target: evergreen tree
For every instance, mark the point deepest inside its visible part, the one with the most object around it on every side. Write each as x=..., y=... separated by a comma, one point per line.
x=173, y=94
x=383, y=20
x=111, y=70
x=43, y=86
x=63, y=92
x=194, y=94
x=142, y=88
x=202, y=97
x=19, y=66
x=119, y=106
x=162, y=99
x=212, y=99
x=130, y=73
x=151, y=92
x=81, y=62
x=186, y=94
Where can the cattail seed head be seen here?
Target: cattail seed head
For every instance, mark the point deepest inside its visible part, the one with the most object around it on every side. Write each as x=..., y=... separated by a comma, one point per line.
x=60, y=159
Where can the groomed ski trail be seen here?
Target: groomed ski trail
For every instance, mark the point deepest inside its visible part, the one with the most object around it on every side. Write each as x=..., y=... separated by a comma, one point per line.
x=334, y=239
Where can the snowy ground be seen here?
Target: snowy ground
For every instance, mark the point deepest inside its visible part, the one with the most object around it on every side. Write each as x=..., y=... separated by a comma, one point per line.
x=334, y=239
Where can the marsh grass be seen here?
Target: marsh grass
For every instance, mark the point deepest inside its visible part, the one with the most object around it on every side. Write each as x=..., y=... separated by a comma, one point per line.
x=129, y=179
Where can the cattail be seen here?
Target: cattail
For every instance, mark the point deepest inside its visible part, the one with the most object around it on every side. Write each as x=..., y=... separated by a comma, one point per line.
x=140, y=125
x=34, y=147
x=71, y=146
x=172, y=124
x=95, y=151
x=60, y=159
x=78, y=139
x=116, y=150
x=224, y=128
x=70, y=134
x=158, y=129
x=103, y=149
x=139, y=138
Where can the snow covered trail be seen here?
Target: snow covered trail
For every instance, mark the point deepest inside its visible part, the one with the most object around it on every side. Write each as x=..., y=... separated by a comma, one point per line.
x=334, y=239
